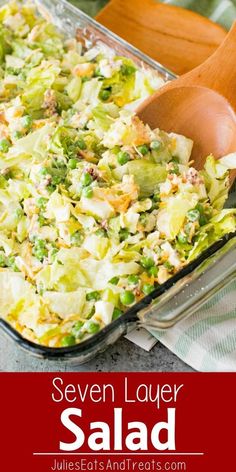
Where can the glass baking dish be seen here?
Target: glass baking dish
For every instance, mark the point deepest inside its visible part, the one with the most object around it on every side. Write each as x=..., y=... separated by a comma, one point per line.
x=183, y=293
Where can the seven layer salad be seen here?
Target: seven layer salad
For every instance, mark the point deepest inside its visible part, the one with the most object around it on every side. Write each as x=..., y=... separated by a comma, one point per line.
x=96, y=208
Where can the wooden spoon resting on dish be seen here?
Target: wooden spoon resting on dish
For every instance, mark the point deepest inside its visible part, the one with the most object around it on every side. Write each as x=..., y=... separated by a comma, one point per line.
x=201, y=104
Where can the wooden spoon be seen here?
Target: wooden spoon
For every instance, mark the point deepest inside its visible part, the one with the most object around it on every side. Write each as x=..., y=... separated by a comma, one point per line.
x=178, y=38
x=200, y=104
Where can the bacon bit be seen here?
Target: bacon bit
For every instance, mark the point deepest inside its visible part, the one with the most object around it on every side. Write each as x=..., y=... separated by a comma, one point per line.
x=93, y=172
x=137, y=292
x=104, y=224
x=50, y=102
x=79, y=36
x=142, y=131
x=193, y=177
x=170, y=176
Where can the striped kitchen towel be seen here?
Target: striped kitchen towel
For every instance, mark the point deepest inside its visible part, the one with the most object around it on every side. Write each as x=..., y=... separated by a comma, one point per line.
x=207, y=340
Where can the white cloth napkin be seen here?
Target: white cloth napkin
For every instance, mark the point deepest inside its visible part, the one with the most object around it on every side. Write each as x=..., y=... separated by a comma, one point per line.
x=207, y=340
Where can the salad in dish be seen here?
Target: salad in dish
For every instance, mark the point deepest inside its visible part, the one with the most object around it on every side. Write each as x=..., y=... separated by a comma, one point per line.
x=96, y=208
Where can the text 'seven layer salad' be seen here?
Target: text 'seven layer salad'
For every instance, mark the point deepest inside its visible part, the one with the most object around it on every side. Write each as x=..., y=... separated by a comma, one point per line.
x=96, y=209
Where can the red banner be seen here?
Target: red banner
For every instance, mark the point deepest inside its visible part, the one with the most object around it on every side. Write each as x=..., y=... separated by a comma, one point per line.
x=117, y=422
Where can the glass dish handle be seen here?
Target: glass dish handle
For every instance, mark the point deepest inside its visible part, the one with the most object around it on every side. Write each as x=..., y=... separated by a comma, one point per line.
x=192, y=291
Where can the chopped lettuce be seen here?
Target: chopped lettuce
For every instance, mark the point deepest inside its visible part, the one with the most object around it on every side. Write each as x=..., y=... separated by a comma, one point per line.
x=96, y=208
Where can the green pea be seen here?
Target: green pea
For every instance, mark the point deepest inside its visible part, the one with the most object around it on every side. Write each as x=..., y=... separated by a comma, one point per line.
x=174, y=169
x=154, y=206
x=116, y=313
x=91, y=313
x=105, y=94
x=11, y=262
x=143, y=218
x=92, y=327
x=182, y=238
x=127, y=69
x=17, y=135
x=92, y=296
x=4, y=145
x=68, y=340
x=147, y=262
x=41, y=203
x=175, y=159
x=153, y=271
x=133, y=279
x=193, y=215
x=41, y=220
x=43, y=171
x=155, y=145
x=187, y=228
x=200, y=208
x=203, y=220
x=40, y=254
x=97, y=72
x=40, y=251
x=147, y=289
x=40, y=243
x=123, y=157
x=86, y=179
x=19, y=213
x=168, y=265
x=124, y=233
x=81, y=144
x=77, y=238
x=72, y=163
x=88, y=192
x=51, y=188
x=127, y=297
x=157, y=198
x=57, y=179
x=54, y=253
x=76, y=328
x=101, y=232
x=3, y=260
x=60, y=164
x=143, y=149
x=114, y=280
x=26, y=121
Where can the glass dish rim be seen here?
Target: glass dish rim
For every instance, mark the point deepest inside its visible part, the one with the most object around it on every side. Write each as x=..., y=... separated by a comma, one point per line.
x=131, y=315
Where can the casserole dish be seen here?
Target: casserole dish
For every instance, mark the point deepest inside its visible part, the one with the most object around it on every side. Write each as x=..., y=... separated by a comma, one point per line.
x=175, y=298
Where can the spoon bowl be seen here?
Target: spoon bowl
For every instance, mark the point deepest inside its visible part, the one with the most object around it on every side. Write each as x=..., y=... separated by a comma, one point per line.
x=200, y=105
x=198, y=113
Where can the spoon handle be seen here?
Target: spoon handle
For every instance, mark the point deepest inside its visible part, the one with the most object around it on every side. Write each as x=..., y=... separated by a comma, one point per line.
x=219, y=71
